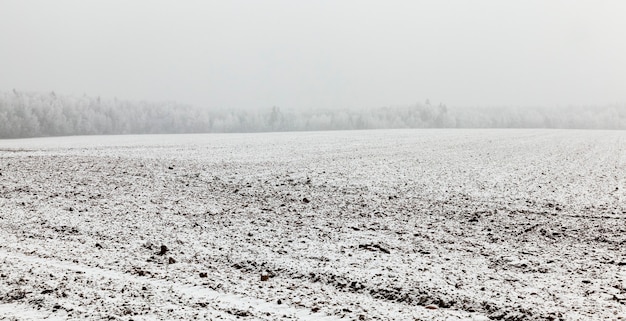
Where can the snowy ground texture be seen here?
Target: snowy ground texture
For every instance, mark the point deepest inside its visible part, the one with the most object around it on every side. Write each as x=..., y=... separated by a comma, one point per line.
x=375, y=225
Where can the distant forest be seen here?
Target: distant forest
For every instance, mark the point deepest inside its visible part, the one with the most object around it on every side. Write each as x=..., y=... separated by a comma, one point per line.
x=34, y=114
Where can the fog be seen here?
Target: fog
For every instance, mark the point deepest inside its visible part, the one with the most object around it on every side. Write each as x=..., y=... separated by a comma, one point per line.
x=324, y=55
x=33, y=114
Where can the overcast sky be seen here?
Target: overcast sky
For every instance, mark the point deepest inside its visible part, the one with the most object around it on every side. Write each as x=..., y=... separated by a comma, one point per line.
x=328, y=54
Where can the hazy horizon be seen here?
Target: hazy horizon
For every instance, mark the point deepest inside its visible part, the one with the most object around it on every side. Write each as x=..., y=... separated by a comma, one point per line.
x=322, y=54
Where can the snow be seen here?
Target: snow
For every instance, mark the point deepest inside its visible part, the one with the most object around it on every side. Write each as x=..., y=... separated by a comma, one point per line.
x=479, y=224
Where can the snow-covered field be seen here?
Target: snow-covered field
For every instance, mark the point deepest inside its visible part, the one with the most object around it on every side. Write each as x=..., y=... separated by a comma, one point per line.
x=360, y=225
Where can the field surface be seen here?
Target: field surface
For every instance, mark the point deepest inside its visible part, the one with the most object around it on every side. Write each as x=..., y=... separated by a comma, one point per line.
x=359, y=225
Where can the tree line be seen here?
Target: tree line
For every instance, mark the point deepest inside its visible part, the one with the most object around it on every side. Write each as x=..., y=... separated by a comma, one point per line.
x=35, y=114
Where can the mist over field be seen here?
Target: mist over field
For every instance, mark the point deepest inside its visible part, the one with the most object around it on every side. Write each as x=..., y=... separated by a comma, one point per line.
x=244, y=66
x=33, y=114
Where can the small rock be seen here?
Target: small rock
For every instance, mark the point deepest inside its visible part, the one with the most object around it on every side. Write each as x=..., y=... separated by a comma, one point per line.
x=305, y=200
x=279, y=301
x=171, y=260
x=519, y=263
x=164, y=250
x=431, y=307
x=265, y=276
x=374, y=247
x=203, y=274
x=98, y=245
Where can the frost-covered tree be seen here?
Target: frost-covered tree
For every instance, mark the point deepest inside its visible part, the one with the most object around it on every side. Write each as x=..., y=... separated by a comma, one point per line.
x=28, y=114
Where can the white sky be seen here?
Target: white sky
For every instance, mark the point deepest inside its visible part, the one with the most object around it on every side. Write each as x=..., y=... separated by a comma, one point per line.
x=336, y=53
